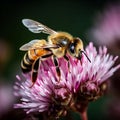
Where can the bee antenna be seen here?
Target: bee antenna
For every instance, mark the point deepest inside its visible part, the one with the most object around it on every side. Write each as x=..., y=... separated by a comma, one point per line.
x=86, y=55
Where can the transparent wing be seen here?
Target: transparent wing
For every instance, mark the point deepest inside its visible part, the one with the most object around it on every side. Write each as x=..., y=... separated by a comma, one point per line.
x=37, y=44
x=37, y=27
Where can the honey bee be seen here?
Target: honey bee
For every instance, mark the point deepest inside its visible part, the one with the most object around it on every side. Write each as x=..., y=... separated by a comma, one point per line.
x=57, y=45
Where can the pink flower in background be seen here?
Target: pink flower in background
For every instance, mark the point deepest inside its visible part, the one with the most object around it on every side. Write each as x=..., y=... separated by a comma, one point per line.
x=6, y=98
x=78, y=86
x=106, y=30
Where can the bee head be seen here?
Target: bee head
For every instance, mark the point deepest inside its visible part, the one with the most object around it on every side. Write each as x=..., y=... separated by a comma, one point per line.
x=76, y=49
x=75, y=46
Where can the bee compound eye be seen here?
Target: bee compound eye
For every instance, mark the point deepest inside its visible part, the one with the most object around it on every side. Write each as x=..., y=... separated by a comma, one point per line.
x=72, y=48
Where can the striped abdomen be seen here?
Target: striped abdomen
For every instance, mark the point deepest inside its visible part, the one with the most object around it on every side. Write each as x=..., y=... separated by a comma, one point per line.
x=30, y=57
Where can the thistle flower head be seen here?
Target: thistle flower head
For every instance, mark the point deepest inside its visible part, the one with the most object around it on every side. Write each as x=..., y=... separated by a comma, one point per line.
x=44, y=96
x=78, y=85
x=95, y=74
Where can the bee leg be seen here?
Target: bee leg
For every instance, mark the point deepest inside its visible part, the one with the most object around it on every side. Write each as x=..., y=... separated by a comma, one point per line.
x=55, y=60
x=34, y=75
x=80, y=56
x=67, y=59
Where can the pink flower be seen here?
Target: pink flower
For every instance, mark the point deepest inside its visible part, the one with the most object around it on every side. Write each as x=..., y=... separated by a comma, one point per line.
x=106, y=30
x=6, y=98
x=78, y=86
x=91, y=74
x=45, y=96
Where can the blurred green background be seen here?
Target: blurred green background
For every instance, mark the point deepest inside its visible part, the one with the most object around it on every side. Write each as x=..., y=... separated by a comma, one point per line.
x=73, y=16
